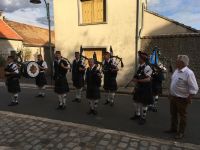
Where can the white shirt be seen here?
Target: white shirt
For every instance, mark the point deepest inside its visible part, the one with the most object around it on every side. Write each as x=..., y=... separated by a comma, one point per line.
x=14, y=67
x=183, y=83
x=147, y=70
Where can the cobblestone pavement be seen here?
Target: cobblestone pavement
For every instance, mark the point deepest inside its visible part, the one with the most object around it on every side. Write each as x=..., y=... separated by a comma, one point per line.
x=23, y=132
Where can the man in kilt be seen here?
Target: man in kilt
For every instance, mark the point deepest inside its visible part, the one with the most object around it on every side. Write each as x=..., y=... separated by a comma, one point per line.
x=110, y=74
x=142, y=95
x=78, y=72
x=41, y=80
x=61, y=68
x=93, y=81
x=12, y=80
x=157, y=78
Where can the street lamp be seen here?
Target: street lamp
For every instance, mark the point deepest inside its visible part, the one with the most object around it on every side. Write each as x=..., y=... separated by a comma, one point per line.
x=49, y=24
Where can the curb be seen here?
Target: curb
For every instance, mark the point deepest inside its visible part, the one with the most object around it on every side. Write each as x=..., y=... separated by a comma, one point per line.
x=106, y=131
x=125, y=91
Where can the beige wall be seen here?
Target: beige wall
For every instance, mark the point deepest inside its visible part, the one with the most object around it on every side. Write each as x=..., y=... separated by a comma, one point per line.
x=9, y=45
x=119, y=31
x=154, y=25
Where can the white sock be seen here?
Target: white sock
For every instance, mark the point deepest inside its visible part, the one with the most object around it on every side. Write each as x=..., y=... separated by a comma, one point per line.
x=64, y=98
x=60, y=99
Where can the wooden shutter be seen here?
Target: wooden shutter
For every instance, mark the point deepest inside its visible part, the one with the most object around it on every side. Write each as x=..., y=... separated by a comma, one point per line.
x=98, y=15
x=87, y=9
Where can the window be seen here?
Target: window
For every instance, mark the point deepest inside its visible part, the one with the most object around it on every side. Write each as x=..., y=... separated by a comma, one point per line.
x=88, y=52
x=93, y=11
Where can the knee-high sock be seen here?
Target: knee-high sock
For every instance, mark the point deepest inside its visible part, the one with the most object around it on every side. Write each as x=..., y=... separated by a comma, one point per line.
x=60, y=99
x=112, y=96
x=96, y=104
x=137, y=109
x=108, y=96
x=15, y=97
x=144, y=111
x=155, y=100
x=78, y=93
x=64, y=98
x=91, y=103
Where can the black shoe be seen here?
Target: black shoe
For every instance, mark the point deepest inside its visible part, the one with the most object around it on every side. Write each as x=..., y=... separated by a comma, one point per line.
x=78, y=100
x=135, y=117
x=154, y=109
x=112, y=104
x=13, y=104
x=90, y=112
x=59, y=107
x=63, y=107
x=142, y=121
x=75, y=100
x=179, y=136
x=94, y=112
x=170, y=131
x=107, y=102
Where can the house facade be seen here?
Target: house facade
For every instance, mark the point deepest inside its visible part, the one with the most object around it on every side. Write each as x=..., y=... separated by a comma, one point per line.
x=16, y=36
x=97, y=25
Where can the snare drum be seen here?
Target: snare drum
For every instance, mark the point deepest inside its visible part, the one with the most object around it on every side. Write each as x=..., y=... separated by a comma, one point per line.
x=30, y=69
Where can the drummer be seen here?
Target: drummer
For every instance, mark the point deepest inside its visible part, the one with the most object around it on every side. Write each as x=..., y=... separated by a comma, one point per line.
x=41, y=80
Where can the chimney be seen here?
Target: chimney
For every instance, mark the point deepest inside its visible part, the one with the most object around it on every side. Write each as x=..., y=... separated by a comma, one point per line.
x=1, y=15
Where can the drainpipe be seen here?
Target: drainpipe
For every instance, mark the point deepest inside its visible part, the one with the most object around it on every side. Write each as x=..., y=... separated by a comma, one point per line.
x=137, y=33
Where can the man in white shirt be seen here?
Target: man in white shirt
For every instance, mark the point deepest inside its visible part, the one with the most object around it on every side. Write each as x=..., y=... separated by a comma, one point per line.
x=183, y=87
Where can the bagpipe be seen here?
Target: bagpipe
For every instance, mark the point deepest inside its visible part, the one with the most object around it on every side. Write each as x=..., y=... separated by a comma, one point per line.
x=157, y=63
x=116, y=58
x=68, y=62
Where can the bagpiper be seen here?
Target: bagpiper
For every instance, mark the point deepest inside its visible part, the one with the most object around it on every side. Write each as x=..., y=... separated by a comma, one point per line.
x=78, y=72
x=93, y=81
x=157, y=79
x=41, y=80
x=142, y=94
x=61, y=68
x=12, y=75
x=110, y=71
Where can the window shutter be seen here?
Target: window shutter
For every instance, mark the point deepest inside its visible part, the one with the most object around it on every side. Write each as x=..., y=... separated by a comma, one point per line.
x=87, y=11
x=98, y=11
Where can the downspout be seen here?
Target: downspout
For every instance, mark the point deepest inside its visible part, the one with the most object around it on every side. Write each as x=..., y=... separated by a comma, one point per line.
x=137, y=33
x=138, y=30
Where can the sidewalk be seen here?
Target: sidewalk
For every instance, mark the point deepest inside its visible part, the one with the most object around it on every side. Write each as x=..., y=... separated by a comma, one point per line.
x=23, y=132
x=121, y=90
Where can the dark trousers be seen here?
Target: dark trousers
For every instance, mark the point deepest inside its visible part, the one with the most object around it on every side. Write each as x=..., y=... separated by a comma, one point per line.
x=178, y=110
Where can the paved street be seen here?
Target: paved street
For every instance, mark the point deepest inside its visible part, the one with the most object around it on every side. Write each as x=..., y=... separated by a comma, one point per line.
x=22, y=132
x=116, y=118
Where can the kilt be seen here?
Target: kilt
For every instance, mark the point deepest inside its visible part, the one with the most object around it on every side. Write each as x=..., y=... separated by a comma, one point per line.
x=93, y=93
x=13, y=85
x=110, y=84
x=78, y=81
x=143, y=94
x=41, y=80
x=156, y=88
x=61, y=85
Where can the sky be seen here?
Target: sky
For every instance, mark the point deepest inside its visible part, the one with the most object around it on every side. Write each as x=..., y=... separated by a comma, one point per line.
x=183, y=11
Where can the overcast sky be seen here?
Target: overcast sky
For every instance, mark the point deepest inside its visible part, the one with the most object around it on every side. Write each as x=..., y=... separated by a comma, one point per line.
x=184, y=11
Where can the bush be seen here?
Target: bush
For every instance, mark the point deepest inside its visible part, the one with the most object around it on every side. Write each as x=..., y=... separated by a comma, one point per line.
x=2, y=61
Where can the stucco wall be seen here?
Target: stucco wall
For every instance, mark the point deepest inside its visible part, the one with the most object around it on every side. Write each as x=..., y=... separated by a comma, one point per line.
x=154, y=25
x=8, y=45
x=119, y=31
